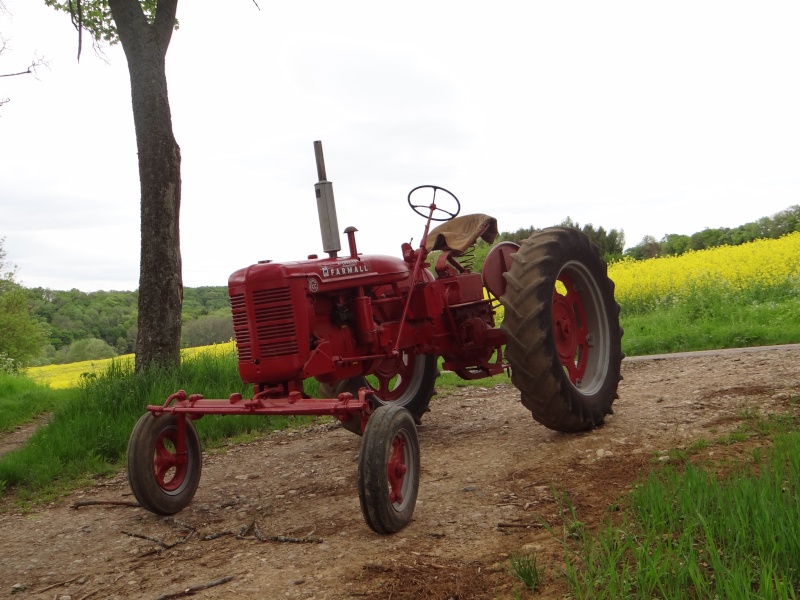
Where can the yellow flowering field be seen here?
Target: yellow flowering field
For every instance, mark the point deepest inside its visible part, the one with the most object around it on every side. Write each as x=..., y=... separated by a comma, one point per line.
x=69, y=375
x=759, y=266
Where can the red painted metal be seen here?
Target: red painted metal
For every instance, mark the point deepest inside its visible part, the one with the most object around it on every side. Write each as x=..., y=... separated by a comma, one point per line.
x=397, y=469
x=268, y=402
x=393, y=376
x=497, y=262
x=571, y=330
x=420, y=257
x=337, y=318
x=169, y=461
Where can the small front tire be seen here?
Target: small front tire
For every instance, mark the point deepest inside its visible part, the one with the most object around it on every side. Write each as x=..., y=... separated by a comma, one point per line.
x=162, y=480
x=388, y=469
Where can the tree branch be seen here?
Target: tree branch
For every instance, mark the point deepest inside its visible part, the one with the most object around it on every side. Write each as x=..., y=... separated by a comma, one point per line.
x=196, y=588
x=77, y=23
x=164, y=23
x=132, y=26
x=26, y=72
x=31, y=70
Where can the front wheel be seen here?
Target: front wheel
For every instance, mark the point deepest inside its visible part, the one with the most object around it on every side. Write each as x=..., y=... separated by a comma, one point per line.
x=388, y=469
x=562, y=330
x=163, y=479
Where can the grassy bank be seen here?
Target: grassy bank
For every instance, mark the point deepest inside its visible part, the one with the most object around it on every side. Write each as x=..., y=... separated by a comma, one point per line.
x=713, y=320
x=22, y=400
x=693, y=532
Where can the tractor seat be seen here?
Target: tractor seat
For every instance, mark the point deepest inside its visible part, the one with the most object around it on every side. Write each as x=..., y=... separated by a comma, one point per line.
x=457, y=235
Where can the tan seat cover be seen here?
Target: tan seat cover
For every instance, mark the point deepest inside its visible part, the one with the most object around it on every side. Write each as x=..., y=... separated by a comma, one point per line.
x=462, y=232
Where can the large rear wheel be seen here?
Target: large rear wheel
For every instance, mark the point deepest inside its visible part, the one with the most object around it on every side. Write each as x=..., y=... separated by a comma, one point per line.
x=562, y=329
x=407, y=381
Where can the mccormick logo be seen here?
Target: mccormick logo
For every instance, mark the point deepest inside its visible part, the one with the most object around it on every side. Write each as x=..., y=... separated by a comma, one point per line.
x=352, y=267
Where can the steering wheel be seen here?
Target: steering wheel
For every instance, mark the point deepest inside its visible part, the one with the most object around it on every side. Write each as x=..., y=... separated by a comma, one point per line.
x=416, y=207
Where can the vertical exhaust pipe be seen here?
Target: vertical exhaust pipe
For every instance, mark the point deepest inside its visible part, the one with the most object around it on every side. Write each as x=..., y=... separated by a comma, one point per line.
x=326, y=207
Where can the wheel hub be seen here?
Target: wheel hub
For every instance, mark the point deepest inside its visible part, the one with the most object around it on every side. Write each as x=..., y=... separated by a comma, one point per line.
x=397, y=469
x=169, y=465
x=570, y=329
x=393, y=377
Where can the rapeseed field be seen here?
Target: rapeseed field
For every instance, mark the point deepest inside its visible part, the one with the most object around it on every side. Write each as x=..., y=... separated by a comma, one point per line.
x=758, y=270
x=70, y=375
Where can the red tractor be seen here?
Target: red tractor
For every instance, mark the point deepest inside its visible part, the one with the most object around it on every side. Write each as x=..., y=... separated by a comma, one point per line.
x=371, y=329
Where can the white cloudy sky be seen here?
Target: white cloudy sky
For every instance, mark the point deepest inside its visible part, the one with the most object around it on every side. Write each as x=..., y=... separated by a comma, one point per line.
x=653, y=118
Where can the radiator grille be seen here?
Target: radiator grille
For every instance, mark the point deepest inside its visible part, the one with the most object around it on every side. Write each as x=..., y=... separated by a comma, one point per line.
x=240, y=329
x=275, y=322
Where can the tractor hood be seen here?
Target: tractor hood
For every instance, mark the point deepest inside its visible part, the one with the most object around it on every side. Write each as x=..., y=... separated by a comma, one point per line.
x=325, y=274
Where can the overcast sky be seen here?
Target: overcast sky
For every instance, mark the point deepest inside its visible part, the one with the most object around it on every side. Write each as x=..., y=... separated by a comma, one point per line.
x=653, y=118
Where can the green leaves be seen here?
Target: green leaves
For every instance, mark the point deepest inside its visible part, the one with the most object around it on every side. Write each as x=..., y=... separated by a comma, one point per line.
x=94, y=17
x=20, y=334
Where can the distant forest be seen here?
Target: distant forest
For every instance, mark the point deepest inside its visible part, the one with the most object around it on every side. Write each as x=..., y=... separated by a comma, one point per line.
x=673, y=244
x=87, y=326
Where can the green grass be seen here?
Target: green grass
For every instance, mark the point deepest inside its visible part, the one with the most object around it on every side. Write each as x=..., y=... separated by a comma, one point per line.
x=525, y=568
x=688, y=532
x=710, y=321
x=22, y=400
x=448, y=381
x=693, y=535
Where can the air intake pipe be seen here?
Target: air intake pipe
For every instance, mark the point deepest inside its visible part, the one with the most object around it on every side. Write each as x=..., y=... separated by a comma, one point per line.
x=326, y=207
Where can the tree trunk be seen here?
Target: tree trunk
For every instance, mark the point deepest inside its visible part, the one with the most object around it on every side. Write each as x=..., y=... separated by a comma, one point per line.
x=160, y=278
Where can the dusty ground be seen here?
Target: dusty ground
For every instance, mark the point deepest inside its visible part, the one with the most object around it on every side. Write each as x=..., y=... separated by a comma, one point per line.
x=485, y=463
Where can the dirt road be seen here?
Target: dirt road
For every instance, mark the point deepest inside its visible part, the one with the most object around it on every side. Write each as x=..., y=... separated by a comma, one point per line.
x=484, y=463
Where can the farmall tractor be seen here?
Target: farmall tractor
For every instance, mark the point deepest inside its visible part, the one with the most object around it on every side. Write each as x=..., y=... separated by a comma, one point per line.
x=372, y=329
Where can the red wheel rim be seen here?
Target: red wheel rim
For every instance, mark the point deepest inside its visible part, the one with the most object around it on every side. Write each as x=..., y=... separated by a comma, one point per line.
x=169, y=466
x=571, y=330
x=393, y=377
x=397, y=469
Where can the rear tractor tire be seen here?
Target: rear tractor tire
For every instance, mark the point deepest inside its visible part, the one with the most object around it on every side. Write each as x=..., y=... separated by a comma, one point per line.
x=562, y=330
x=407, y=381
